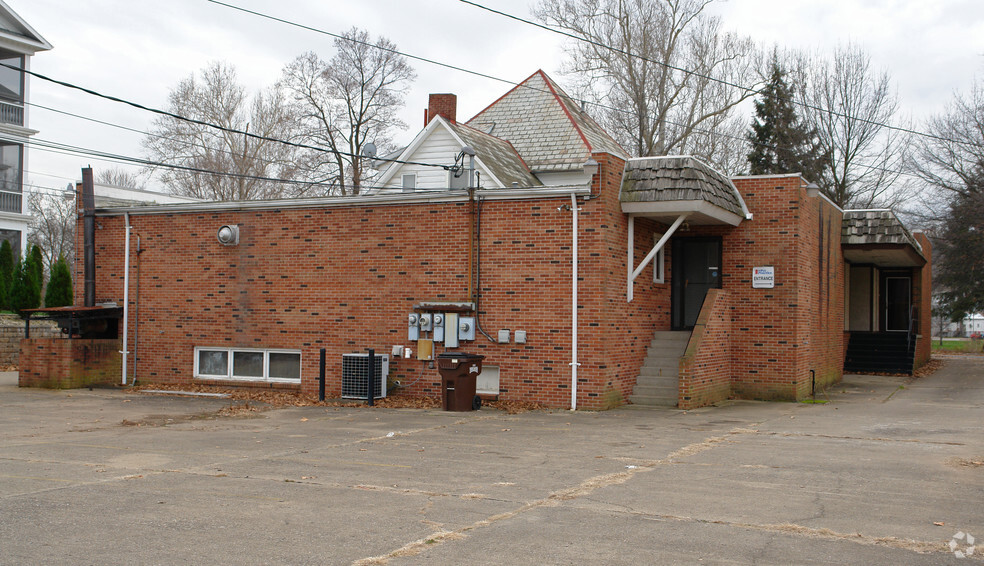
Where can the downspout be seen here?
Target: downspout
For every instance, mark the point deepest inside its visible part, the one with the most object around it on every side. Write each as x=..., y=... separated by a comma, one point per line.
x=574, y=362
x=126, y=291
x=88, y=237
x=136, y=317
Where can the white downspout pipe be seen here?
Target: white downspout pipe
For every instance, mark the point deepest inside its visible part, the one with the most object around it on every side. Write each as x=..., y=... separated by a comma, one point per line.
x=574, y=362
x=126, y=291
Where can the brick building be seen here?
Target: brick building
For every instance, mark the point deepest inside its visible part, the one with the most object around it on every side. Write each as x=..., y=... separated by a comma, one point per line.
x=487, y=233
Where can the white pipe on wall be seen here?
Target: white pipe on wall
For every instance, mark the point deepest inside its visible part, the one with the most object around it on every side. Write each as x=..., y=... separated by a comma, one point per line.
x=126, y=291
x=574, y=362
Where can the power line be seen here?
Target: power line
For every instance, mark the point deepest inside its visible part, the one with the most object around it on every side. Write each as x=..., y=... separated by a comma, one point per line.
x=204, y=123
x=694, y=73
x=597, y=104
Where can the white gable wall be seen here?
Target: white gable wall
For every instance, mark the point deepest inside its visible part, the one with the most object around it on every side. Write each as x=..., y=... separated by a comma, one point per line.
x=440, y=147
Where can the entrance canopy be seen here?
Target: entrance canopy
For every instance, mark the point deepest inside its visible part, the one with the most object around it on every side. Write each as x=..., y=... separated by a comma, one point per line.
x=673, y=190
x=663, y=188
x=878, y=238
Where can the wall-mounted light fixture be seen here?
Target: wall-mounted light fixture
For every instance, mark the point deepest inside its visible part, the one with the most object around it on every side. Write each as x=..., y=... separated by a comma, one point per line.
x=813, y=190
x=228, y=235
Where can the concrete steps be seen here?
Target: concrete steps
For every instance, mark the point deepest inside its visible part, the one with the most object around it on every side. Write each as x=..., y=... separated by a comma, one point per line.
x=659, y=379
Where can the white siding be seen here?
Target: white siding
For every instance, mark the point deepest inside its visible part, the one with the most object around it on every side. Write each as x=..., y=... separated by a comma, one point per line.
x=563, y=179
x=439, y=148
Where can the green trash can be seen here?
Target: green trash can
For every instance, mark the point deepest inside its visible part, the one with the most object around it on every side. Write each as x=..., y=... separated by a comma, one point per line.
x=459, y=373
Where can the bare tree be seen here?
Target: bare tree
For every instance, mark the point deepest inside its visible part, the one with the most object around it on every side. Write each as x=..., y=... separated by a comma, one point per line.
x=951, y=158
x=664, y=72
x=120, y=178
x=219, y=164
x=52, y=227
x=346, y=103
x=851, y=106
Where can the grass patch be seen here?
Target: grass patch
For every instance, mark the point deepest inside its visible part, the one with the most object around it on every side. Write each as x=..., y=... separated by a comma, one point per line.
x=815, y=401
x=958, y=346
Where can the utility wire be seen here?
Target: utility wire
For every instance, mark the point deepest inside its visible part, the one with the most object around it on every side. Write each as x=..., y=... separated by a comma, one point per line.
x=202, y=122
x=694, y=73
x=597, y=104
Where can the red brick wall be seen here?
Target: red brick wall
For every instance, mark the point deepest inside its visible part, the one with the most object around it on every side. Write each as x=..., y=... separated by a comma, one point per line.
x=706, y=367
x=780, y=334
x=59, y=363
x=922, y=297
x=344, y=278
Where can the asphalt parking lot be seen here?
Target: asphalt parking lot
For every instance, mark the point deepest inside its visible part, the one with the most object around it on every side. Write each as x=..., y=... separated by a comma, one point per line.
x=888, y=472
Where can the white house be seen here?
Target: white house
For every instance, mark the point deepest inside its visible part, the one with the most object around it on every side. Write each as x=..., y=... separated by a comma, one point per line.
x=18, y=43
x=973, y=324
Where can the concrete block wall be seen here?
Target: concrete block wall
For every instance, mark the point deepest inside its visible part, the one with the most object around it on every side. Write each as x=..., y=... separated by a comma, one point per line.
x=12, y=334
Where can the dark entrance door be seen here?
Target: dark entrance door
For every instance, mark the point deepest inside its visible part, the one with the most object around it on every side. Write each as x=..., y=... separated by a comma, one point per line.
x=696, y=268
x=898, y=298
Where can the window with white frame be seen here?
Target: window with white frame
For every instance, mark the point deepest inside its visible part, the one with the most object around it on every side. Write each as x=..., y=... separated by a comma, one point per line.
x=658, y=264
x=409, y=182
x=248, y=364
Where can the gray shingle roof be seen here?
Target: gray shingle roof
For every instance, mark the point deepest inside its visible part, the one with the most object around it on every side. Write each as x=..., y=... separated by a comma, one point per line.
x=663, y=179
x=874, y=227
x=498, y=155
x=545, y=126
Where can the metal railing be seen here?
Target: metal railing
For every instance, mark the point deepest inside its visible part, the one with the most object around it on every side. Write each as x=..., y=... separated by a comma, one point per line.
x=912, y=322
x=11, y=113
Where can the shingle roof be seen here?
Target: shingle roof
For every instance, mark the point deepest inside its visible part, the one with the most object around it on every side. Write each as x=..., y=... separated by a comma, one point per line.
x=499, y=157
x=546, y=126
x=663, y=179
x=874, y=227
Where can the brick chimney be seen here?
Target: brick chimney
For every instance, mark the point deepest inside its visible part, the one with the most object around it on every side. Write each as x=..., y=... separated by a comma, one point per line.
x=441, y=105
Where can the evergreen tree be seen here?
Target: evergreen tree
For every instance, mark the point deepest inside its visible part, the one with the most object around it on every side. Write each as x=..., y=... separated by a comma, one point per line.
x=25, y=292
x=59, y=293
x=35, y=259
x=6, y=274
x=781, y=141
x=959, y=257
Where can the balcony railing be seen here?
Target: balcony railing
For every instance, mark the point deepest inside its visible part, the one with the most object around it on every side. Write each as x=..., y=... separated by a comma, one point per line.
x=11, y=113
x=11, y=202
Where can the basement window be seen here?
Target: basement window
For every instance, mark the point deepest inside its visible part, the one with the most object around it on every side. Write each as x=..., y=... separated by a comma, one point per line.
x=248, y=364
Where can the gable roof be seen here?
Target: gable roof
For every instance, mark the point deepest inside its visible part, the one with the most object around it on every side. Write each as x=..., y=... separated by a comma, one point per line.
x=649, y=181
x=497, y=155
x=17, y=35
x=493, y=155
x=546, y=126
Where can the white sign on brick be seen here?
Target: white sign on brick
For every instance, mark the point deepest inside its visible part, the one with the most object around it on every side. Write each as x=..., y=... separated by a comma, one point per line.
x=763, y=277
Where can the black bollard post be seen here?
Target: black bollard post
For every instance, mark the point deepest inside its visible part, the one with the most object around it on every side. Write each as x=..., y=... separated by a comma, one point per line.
x=371, y=374
x=321, y=376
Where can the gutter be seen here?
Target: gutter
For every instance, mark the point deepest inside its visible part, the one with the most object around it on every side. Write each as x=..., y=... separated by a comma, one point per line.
x=395, y=199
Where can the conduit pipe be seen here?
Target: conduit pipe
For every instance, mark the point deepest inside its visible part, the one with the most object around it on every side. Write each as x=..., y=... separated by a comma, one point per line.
x=126, y=291
x=574, y=362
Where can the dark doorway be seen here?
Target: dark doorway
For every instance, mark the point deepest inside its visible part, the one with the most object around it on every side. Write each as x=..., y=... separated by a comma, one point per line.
x=696, y=268
x=897, y=293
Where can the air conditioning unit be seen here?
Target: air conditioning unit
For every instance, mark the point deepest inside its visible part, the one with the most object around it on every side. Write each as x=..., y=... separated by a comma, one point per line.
x=355, y=376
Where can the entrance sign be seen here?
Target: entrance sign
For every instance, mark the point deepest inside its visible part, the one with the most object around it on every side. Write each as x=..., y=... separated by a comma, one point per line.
x=763, y=277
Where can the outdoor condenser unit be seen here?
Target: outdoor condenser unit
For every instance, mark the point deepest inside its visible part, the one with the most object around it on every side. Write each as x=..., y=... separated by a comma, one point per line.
x=355, y=376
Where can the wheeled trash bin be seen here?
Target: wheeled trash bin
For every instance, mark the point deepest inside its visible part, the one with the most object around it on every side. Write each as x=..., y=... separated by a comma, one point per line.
x=459, y=372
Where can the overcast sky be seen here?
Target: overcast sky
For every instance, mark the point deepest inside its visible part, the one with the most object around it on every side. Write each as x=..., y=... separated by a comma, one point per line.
x=138, y=50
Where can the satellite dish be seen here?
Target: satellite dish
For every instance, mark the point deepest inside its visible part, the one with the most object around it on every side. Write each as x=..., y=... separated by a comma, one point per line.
x=369, y=150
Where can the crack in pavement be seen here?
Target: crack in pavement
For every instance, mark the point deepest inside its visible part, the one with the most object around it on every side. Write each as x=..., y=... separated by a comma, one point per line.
x=583, y=489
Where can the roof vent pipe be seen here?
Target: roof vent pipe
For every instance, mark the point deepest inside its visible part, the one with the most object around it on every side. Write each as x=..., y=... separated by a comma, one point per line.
x=89, y=236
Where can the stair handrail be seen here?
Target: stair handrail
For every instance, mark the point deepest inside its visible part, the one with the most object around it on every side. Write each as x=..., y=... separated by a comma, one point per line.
x=908, y=334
